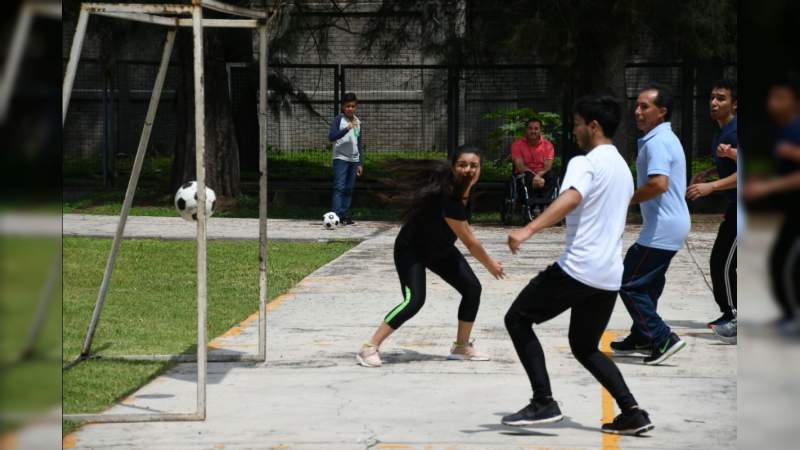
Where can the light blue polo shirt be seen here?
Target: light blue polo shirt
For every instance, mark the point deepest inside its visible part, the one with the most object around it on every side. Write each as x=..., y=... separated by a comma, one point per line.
x=666, y=217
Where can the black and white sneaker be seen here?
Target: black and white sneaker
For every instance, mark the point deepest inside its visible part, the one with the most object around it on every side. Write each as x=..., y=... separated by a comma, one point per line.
x=725, y=318
x=533, y=414
x=665, y=349
x=629, y=346
x=727, y=332
x=632, y=423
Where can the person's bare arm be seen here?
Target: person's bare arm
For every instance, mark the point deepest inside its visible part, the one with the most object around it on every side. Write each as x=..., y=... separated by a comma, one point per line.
x=758, y=189
x=703, y=176
x=548, y=165
x=698, y=190
x=464, y=233
x=561, y=206
x=656, y=185
x=789, y=151
x=519, y=165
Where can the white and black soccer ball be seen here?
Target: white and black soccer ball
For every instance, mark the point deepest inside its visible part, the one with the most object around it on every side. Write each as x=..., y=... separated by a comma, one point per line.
x=330, y=220
x=186, y=201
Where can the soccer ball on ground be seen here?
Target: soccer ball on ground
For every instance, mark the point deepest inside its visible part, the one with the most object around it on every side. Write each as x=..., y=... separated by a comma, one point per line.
x=186, y=201
x=330, y=220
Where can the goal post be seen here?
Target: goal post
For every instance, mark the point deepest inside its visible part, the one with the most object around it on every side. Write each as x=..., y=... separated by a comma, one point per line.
x=174, y=17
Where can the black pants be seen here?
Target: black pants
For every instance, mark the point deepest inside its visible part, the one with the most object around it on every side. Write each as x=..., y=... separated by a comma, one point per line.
x=784, y=265
x=549, y=184
x=451, y=267
x=723, y=264
x=552, y=292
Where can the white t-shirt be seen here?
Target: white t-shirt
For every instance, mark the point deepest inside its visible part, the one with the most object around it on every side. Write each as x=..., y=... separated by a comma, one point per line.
x=593, y=254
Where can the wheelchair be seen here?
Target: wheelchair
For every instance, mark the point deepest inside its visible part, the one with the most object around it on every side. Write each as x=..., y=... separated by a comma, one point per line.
x=522, y=202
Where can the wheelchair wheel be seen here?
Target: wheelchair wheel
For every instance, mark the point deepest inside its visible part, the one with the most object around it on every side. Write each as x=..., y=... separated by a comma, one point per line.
x=527, y=214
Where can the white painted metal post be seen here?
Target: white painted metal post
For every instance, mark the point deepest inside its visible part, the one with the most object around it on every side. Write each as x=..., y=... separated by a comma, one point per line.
x=72, y=64
x=134, y=180
x=263, y=294
x=11, y=69
x=200, y=153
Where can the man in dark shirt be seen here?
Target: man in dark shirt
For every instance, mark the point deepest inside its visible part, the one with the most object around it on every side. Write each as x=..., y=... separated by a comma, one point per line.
x=723, y=104
x=783, y=104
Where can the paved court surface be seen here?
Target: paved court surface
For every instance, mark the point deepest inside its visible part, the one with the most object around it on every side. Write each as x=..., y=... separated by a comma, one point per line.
x=310, y=394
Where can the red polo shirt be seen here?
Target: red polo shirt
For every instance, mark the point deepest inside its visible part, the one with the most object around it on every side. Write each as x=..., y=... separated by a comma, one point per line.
x=534, y=156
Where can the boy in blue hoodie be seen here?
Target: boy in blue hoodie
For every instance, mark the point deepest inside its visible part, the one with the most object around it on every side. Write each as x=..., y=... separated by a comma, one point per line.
x=348, y=156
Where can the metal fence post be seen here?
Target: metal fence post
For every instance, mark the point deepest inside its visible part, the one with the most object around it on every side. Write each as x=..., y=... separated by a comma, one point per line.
x=337, y=93
x=453, y=96
x=687, y=114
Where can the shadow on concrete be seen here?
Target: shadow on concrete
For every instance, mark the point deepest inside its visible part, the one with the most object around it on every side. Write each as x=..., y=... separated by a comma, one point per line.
x=693, y=324
x=539, y=430
x=404, y=356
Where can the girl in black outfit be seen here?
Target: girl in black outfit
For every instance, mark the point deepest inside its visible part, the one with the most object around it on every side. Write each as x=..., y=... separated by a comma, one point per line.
x=438, y=193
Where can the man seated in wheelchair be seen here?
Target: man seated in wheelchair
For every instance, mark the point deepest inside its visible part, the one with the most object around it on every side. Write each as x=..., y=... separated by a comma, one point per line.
x=532, y=156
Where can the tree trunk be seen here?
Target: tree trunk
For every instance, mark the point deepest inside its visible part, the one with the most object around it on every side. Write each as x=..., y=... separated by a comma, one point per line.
x=222, y=149
x=611, y=73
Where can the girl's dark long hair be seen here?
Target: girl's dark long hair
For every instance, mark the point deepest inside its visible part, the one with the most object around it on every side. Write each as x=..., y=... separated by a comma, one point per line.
x=419, y=184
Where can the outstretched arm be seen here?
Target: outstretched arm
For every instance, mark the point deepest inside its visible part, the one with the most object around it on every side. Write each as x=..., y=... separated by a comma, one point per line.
x=563, y=205
x=464, y=232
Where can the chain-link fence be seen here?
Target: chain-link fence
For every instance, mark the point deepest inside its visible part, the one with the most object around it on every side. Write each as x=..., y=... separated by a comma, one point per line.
x=406, y=110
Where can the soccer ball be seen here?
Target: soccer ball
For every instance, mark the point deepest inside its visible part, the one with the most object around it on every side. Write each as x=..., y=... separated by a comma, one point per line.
x=186, y=201
x=330, y=220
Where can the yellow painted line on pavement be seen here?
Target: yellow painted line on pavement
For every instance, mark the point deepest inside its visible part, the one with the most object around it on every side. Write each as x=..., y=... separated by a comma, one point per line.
x=610, y=441
x=237, y=329
x=69, y=441
x=8, y=441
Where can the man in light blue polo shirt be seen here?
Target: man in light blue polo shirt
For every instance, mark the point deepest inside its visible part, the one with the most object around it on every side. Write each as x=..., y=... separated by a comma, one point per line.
x=661, y=189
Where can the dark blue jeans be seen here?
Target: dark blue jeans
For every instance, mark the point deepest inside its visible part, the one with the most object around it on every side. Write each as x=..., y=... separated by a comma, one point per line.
x=642, y=284
x=344, y=180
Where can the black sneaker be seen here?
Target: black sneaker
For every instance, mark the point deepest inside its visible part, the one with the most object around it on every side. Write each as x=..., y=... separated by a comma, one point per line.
x=665, y=349
x=725, y=318
x=534, y=414
x=632, y=423
x=347, y=221
x=630, y=345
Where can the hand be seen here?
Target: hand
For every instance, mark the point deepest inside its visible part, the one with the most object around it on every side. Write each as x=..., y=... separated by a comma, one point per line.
x=726, y=151
x=516, y=238
x=538, y=182
x=755, y=190
x=360, y=171
x=350, y=125
x=699, y=178
x=496, y=269
x=696, y=191
x=788, y=151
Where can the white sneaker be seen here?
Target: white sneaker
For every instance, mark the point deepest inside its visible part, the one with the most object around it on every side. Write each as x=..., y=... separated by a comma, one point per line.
x=466, y=353
x=369, y=356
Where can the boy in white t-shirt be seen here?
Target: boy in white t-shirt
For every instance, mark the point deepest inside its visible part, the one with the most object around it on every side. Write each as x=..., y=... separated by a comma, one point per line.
x=594, y=199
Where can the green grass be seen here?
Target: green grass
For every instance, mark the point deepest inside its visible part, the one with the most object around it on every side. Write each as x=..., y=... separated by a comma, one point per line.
x=150, y=307
x=308, y=164
x=32, y=385
x=312, y=164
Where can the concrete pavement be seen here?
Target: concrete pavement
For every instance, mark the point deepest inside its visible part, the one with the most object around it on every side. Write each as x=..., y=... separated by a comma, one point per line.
x=310, y=394
x=139, y=227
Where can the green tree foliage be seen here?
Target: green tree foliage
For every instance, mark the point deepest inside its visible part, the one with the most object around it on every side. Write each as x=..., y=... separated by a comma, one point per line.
x=515, y=121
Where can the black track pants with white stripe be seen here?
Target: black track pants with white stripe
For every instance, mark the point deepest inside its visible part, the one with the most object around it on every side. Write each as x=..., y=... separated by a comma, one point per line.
x=784, y=266
x=723, y=263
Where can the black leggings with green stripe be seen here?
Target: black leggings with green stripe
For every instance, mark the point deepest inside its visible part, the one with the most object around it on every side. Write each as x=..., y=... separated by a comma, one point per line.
x=451, y=267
